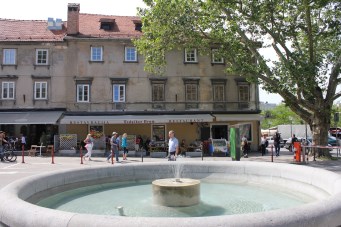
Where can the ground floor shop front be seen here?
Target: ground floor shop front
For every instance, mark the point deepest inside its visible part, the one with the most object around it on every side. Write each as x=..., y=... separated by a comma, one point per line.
x=195, y=129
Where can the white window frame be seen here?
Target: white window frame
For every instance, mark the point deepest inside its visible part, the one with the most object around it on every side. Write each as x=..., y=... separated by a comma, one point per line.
x=9, y=56
x=97, y=53
x=119, y=93
x=8, y=90
x=191, y=55
x=216, y=60
x=42, y=56
x=40, y=90
x=81, y=90
x=130, y=54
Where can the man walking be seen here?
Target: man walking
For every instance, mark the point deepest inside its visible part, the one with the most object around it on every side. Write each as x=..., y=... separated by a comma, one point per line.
x=277, y=143
x=173, y=146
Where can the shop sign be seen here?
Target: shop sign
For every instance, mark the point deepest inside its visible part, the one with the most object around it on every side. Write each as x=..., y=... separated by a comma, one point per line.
x=89, y=122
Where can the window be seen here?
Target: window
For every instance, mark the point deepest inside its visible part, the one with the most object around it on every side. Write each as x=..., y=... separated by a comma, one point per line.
x=107, y=24
x=219, y=97
x=83, y=92
x=119, y=91
x=40, y=90
x=191, y=92
x=218, y=92
x=158, y=132
x=130, y=54
x=158, y=92
x=191, y=55
x=244, y=93
x=96, y=53
x=8, y=89
x=9, y=56
x=41, y=57
x=216, y=59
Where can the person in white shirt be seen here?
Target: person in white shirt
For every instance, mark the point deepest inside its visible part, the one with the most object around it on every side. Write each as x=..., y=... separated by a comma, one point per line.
x=173, y=146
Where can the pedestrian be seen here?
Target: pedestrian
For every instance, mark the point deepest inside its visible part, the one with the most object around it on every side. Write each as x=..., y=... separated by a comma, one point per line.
x=114, y=147
x=23, y=140
x=137, y=143
x=89, y=143
x=245, y=146
x=293, y=140
x=277, y=143
x=124, y=146
x=2, y=142
x=173, y=146
x=264, y=143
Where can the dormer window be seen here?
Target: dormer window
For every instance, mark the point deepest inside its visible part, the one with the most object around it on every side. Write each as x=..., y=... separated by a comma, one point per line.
x=138, y=25
x=107, y=24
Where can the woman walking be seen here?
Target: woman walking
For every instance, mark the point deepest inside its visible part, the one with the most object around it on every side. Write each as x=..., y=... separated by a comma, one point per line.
x=89, y=144
x=124, y=146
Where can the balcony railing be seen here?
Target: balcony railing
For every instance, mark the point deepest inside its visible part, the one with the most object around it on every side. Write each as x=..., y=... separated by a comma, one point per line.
x=166, y=106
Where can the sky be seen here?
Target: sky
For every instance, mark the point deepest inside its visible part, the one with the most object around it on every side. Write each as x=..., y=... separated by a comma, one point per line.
x=43, y=9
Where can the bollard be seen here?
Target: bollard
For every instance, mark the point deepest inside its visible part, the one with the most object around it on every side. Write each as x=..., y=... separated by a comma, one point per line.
x=52, y=155
x=23, y=153
x=142, y=155
x=112, y=157
x=272, y=153
x=81, y=154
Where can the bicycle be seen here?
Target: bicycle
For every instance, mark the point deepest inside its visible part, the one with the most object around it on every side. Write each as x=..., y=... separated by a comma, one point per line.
x=9, y=154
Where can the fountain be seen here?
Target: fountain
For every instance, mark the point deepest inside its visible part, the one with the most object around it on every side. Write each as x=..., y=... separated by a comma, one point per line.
x=20, y=196
x=178, y=192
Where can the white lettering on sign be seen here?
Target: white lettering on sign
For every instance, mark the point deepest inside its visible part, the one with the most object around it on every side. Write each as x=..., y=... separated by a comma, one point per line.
x=185, y=120
x=89, y=122
x=143, y=121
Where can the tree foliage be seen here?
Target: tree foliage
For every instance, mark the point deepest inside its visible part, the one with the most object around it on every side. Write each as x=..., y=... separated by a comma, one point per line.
x=304, y=37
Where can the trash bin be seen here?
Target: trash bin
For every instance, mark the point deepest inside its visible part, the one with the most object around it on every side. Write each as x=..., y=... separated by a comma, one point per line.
x=297, y=146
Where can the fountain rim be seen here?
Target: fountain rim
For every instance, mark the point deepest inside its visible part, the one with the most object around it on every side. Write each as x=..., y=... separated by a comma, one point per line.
x=314, y=213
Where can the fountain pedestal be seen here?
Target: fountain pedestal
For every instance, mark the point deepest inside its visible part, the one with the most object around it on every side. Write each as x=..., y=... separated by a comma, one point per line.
x=176, y=192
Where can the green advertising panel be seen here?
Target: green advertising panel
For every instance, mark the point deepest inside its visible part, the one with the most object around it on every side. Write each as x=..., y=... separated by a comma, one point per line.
x=234, y=144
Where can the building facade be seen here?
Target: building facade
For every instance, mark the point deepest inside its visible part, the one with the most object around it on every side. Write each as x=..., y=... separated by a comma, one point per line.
x=85, y=75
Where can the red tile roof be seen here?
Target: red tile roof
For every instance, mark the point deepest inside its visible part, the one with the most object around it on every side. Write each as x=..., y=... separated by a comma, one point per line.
x=89, y=27
x=28, y=30
x=124, y=27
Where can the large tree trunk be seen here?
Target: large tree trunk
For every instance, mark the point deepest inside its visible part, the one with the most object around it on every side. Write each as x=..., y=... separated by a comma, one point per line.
x=320, y=127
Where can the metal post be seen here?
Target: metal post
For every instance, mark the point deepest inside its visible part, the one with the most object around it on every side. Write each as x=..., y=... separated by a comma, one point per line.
x=112, y=156
x=272, y=153
x=23, y=153
x=52, y=155
x=81, y=154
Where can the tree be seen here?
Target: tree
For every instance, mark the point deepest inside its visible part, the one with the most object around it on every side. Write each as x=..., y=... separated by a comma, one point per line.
x=280, y=115
x=304, y=36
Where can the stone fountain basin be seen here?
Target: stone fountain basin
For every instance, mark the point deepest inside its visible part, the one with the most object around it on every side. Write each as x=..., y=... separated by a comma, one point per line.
x=15, y=210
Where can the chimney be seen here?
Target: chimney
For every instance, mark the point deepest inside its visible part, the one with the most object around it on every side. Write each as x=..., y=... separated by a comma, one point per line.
x=73, y=18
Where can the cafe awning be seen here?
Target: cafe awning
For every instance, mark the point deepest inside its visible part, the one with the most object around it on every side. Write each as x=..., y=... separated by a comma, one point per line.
x=135, y=119
x=30, y=117
x=238, y=117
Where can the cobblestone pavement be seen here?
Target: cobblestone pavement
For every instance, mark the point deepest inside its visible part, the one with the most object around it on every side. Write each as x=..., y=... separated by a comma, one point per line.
x=10, y=172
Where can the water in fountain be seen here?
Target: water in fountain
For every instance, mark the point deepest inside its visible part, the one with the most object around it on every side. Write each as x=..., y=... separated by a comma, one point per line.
x=177, y=169
x=216, y=199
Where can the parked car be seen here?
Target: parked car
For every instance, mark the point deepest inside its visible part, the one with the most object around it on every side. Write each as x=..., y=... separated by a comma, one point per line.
x=271, y=141
x=288, y=142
